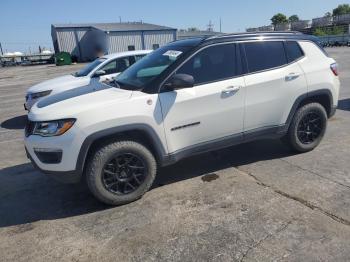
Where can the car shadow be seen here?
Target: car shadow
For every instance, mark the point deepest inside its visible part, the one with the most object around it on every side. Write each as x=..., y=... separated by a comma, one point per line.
x=212, y=162
x=17, y=122
x=344, y=104
x=27, y=196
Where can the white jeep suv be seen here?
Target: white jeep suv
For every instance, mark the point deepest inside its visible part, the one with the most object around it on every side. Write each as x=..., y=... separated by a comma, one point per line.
x=188, y=97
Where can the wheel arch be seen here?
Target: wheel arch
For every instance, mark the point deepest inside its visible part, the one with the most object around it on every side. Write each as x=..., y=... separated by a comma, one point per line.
x=322, y=96
x=141, y=133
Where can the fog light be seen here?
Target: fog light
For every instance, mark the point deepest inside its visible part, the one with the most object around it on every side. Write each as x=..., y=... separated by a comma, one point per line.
x=48, y=155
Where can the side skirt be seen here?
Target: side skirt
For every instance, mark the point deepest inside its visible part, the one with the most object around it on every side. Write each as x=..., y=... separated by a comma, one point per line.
x=273, y=132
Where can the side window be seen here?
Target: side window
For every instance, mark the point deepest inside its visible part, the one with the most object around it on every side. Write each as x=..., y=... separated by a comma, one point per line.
x=138, y=57
x=155, y=46
x=131, y=48
x=214, y=63
x=122, y=64
x=110, y=68
x=294, y=51
x=132, y=60
x=264, y=55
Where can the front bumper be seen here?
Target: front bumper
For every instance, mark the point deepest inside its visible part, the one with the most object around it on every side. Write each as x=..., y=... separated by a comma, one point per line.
x=67, y=177
x=56, y=156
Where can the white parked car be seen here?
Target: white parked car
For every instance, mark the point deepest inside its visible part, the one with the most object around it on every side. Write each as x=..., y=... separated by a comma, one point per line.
x=100, y=70
x=188, y=97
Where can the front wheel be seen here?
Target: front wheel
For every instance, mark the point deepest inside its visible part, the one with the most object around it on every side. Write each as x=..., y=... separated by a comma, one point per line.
x=121, y=172
x=307, y=128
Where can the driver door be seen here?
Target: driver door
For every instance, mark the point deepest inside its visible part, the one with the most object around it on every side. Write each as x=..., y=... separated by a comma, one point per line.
x=213, y=108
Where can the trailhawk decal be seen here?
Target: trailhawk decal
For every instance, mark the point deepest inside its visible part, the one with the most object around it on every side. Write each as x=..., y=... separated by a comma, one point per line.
x=184, y=126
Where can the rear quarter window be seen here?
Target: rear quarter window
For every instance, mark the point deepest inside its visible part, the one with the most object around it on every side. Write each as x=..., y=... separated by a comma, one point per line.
x=294, y=51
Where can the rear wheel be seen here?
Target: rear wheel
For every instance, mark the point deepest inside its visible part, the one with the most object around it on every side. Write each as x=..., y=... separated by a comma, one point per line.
x=121, y=172
x=307, y=128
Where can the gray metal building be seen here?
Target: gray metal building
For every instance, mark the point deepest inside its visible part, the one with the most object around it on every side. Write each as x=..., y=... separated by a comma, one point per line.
x=83, y=41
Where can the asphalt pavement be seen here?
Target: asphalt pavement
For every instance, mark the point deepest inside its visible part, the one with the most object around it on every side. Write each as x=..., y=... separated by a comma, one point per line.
x=252, y=202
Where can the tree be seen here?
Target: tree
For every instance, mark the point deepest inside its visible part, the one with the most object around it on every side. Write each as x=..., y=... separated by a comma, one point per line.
x=193, y=29
x=319, y=32
x=328, y=14
x=279, y=19
x=341, y=10
x=337, y=30
x=293, y=18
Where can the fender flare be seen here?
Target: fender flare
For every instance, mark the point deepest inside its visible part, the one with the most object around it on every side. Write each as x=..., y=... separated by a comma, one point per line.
x=148, y=130
x=303, y=97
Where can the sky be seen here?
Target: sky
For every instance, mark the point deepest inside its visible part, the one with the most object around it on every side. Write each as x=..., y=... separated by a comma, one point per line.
x=24, y=25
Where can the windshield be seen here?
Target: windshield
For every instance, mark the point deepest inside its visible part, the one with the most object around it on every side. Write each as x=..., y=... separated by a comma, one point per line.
x=88, y=68
x=149, y=67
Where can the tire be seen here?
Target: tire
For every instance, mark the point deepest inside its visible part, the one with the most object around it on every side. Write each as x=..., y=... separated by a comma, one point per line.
x=302, y=138
x=114, y=167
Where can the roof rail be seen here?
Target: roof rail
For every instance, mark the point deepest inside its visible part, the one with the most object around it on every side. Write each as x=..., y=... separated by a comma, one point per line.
x=257, y=33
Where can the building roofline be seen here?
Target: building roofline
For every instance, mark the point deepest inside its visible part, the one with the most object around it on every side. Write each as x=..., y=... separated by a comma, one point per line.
x=117, y=27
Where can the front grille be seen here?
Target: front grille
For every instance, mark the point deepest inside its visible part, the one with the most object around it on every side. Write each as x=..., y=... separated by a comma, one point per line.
x=29, y=128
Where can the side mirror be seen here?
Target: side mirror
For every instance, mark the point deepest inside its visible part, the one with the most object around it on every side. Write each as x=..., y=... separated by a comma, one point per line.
x=99, y=73
x=179, y=81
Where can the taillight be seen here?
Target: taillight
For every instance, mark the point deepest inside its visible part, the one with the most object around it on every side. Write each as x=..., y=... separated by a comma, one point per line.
x=334, y=68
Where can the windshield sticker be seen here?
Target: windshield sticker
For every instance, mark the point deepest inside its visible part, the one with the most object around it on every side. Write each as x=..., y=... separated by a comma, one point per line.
x=172, y=53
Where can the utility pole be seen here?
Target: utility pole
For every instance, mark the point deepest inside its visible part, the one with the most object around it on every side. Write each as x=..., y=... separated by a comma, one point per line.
x=2, y=53
x=210, y=26
x=220, y=24
x=120, y=19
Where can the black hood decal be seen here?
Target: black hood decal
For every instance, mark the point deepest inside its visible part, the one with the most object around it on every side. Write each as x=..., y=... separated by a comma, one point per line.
x=79, y=91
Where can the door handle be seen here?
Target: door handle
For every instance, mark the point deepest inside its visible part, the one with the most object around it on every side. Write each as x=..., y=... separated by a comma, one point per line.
x=292, y=76
x=231, y=89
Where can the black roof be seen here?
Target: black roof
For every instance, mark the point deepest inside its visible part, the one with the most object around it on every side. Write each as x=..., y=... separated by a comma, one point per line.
x=191, y=34
x=188, y=42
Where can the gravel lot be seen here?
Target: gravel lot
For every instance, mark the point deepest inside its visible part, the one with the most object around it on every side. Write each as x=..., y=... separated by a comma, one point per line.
x=253, y=202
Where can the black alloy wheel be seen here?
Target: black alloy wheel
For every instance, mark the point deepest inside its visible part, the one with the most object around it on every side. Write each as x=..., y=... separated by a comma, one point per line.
x=307, y=128
x=310, y=127
x=124, y=173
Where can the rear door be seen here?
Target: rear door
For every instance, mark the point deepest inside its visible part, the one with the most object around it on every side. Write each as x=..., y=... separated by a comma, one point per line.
x=273, y=82
x=213, y=108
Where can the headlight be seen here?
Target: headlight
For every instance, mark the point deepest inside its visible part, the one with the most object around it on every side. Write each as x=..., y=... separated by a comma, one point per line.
x=53, y=128
x=39, y=94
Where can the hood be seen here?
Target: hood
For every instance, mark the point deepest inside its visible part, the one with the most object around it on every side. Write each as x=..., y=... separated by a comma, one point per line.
x=70, y=103
x=61, y=82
